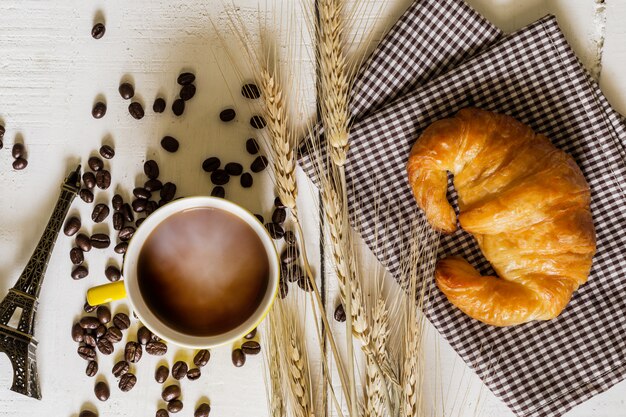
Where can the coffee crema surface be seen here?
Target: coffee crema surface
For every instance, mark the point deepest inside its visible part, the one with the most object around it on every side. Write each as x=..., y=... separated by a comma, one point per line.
x=203, y=271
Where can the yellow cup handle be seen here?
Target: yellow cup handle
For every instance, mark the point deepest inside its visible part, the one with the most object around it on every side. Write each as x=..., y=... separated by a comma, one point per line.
x=106, y=293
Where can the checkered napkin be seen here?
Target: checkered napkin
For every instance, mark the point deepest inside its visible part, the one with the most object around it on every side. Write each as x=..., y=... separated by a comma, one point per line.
x=539, y=368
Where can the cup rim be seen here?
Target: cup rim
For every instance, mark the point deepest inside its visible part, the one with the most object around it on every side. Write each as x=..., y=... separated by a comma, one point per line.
x=150, y=320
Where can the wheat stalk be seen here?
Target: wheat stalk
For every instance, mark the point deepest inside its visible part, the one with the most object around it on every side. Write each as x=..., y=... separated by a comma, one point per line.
x=375, y=385
x=273, y=360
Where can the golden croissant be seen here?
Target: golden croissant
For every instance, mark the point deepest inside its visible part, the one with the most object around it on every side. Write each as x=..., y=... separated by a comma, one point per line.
x=525, y=202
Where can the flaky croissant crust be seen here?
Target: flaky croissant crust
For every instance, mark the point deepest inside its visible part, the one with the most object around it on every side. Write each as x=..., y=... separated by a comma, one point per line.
x=526, y=203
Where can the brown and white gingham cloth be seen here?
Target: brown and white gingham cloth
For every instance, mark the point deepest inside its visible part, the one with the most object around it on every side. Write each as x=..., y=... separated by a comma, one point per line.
x=440, y=57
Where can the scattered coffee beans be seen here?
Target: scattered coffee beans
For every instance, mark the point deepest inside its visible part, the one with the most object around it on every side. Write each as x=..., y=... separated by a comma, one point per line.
x=133, y=352
x=233, y=168
x=193, y=374
x=121, y=321
x=113, y=334
x=252, y=146
x=102, y=391
x=251, y=347
x=86, y=195
x=201, y=358
x=103, y=179
x=171, y=392
x=211, y=164
x=161, y=374
x=126, y=233
x=258, y=122
x=112, y=273
x=178, y=107
x=127, y=382
x=275, y=230
x=136, y=110
x=107, y=152
x=120, y=368
x=89, y=179
x=187, y=92
x=105, y=346
x=289, y=255
x=100, y=241
x=238, y=358
x=340, y=314
x=104, y=314
x=170, y=144
x=156, y=348
x=259, y=218
x=19, y=164
x=162, y=412
x=99, y=110
x=174, y=406
x=227, y=115
x=89, y=322
x=89, y=308
x=141, y=192
x=203, y=410
x=159, y=105
x=18, y=150
x=151, y=169
x=100, y=213
x=139, y=205
x=72, y=226
x=101, y=331
x=283, y=289
x=250, y=91
x=83, y=242
x=218, y=192
x=290, y=237
x=304, y=283
x=250, y=335
x=86, y=352
x=97, y=31
x=127, y=91
x=186, y=78
x=246, y=180
x=279, y=216
x=127, y=212
x=259, y=164
x=220, y=177
x=95, y=163
x=92, y=369
x=76, y=256
x=78, y=333
x=121, y=248
x=80, y=272
x=168, y=191
x=179, y=370
x=118, y=221
x=153, y=185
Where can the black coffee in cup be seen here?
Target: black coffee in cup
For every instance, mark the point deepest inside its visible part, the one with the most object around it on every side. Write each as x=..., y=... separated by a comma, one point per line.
x=203, y=271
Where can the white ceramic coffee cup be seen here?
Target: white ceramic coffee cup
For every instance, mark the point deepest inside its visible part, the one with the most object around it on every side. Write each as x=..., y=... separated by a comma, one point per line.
x=129, y=287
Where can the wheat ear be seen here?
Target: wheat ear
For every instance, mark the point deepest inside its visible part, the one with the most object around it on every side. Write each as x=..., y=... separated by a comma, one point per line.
x=375, y=385
x=276, y=391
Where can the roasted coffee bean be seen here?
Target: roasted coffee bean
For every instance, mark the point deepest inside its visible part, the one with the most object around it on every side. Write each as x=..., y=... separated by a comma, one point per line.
x=283, y=289
x=19, y=164
x=193, y=374
x=2, y=131
x=112, y=273
x=201, y=358
x=114, y=334
x=126, y=233
x=139, y=205
x=104, y=314
x=162, y=412
x=233, y=168
x=252, y=146
x=86, y=352
x=105, y=346
x=187, y=92
x=171, y=392
x=97, y=31
x=238, y=358
x=101, y=331
x=89, y=179
x=120, y=368
x=107, y=152
x=203, y=410
x=18, y=150
x=87, y=413
x=80, y=272
x=95, y=163
x=153, y=185
x=258, y=122
x=83, y=242
x=86, y=195
x=99, y=110
x=279, y=216
x=259, y=218
x=170, y=144
x=78, y=333
x=139, y=221
x=220, y=177
x=102, y=391
x=278, y=203
x=76, y=256
x=151, y=169
x=144, y=335
x=141, y=192
x=292, y=272
x=251, y=347
x=72, y=226
x=92, y=369
x=218, y=192
x=246, y=180
x=116, y=202
x=304, y=283
x=289, y=255
x=340, y=314
x=100, y=213
x=121, y=321
x=259, y=164
x=90, y=340
x=250, y=335
x=168, y=191
x=178, y=107
x=179, y=370
x=211, y=164
x=290, y=237
x=174, y=406
x=100, y=241
x=151, y=207
x=275, y=230
x=136, y=110
x=156, y=348
x=161, y=374
x=251, y=91
x=118, y=221
x=159, y=105
x=87, y=308
x=133, y=352
x=126, y=90
x=127, y=382
x=186, y=78
x=103, y=179
x=121, y=248
x=227, y=115
x=89, y=322
x=127, y=212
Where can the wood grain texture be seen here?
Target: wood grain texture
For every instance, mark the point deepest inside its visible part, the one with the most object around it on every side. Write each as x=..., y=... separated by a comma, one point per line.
x=51, y=72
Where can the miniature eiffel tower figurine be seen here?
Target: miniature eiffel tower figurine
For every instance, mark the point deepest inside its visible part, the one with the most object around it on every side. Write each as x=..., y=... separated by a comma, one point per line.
x=19, y=343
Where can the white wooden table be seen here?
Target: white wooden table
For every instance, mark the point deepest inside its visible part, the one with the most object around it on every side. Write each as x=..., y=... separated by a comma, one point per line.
x=51, y=72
